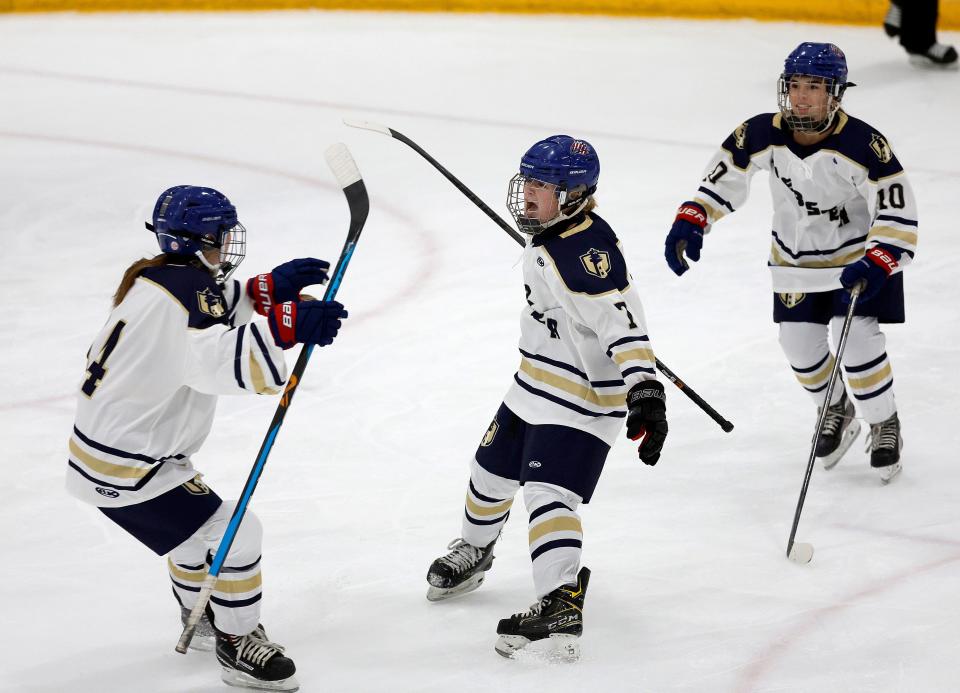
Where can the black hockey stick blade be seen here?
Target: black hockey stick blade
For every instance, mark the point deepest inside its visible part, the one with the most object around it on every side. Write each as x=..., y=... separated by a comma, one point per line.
x=498, y=220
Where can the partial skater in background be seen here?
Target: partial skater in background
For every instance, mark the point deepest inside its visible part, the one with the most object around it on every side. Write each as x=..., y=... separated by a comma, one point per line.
x=586, y=365
x=180, y=334
x=844, y=213
x=915, y=22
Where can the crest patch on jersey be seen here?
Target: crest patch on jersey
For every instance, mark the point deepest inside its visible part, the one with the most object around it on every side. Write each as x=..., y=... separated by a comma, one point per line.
x=210, y=303
x=596, y=262
x=490, y=434
x=880, y=147
x=196, y=487
x=740, y=136
x=791, y=300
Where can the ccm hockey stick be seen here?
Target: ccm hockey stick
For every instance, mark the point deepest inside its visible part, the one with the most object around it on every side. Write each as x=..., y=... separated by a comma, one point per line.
x=498, y=220
x=348, y=177
x=798, y=551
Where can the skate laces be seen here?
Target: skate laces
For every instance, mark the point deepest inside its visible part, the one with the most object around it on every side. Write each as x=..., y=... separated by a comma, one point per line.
x=462, y=557
x=836, y=415
x=534, y=610
x=884, y=435
x=255, y=648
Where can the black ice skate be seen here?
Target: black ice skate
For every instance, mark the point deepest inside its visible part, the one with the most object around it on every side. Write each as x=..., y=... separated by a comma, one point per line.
x=460, y=571
x=840, y=429
x=252, y=661
x=938, y=55
x=885, y=445
x=204, y=637
x=558, y=616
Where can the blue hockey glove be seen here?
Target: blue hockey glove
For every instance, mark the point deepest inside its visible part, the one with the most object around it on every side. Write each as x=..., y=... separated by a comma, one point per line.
x=874, y=269
x=285, y=282
x=647, y=419
x=686, y=236
x=306, y=322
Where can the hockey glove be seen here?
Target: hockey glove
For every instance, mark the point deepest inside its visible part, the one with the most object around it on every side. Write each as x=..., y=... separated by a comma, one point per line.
x=874, y=269
x=647, y=419
x=686, y=236
x=285, y=282
x=305, y=322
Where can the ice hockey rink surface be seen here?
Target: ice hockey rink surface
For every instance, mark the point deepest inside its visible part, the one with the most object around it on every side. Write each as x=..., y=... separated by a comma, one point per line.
x=691, y=590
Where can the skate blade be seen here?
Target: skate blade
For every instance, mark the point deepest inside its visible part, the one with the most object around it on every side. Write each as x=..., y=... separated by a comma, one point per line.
x=849, y=435
x=887, y=474
x=928, y=64
x=438, y=594
x=559, y=648
x=232, y=677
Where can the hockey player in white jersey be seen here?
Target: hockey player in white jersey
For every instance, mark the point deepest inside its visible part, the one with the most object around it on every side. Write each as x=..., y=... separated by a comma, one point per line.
x=844, y=213
x=586, y=365
x=180, y=334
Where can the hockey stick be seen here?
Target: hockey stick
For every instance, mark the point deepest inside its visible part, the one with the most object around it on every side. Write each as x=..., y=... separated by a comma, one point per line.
x=802, y=552
x=498, y=220
x=348, y=177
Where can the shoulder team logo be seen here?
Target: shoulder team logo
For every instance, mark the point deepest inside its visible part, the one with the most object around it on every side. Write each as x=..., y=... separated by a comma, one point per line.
x=880, y=147
x=210, y=303
x=596, y=262
x=490, y=434
x=740, y=136
x=791, y=300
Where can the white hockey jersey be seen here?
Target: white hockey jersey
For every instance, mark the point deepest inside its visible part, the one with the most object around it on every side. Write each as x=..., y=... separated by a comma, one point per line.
x=583, y=335
x=832, y=201
x=147, y=399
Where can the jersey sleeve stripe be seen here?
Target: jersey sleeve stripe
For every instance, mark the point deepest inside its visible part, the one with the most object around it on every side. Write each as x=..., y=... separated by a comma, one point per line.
x=890, y=232
x=634, y=355
x=266, y=355
x=716, y=197
x=237, y=368
x=626, y=340
x=638, y=369
x=899, y=220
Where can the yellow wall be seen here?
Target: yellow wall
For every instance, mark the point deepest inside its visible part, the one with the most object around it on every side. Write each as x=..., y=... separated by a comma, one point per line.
x=837, y=11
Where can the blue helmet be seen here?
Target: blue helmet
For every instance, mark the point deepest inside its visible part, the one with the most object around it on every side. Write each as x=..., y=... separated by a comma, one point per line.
x=823, y=61
x=819, y=60
x=564, y=161
x=188, y=219
x=569, y=164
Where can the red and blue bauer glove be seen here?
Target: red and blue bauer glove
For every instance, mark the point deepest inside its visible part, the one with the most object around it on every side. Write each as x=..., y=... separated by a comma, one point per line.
x=305, y=322
x=285, y=282
x=647, y=419
x=686, y=236
x=874, y=268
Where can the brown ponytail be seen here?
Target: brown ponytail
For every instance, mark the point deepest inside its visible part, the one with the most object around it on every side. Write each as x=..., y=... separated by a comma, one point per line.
x=133, y=271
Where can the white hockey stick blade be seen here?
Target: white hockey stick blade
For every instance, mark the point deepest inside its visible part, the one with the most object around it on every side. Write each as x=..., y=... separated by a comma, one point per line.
x=367, y=125
x=801, y=552
x=342, y=164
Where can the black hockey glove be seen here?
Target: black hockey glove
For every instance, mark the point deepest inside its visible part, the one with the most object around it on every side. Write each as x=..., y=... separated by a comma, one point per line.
x=647, y=419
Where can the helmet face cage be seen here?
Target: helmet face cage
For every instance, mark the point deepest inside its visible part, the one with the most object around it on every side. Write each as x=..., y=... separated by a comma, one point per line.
x=233, y=248
x=809, y=123
x=569, y=203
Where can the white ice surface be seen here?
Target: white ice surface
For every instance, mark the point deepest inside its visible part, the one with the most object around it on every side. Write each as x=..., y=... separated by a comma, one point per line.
x=691, y=590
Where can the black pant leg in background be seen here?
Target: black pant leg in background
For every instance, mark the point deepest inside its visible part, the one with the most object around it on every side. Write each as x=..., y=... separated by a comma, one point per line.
x=918, y=30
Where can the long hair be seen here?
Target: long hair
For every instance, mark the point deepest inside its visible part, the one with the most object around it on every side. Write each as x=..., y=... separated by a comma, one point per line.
x=133, y=271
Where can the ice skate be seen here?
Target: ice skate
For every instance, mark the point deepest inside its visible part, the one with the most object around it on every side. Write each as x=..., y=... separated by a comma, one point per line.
x=204, y=637
x=252, y=661
x=460, y=571
x=938, y=55
x=884, y=445
x=840, y=429
x=558, y=618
